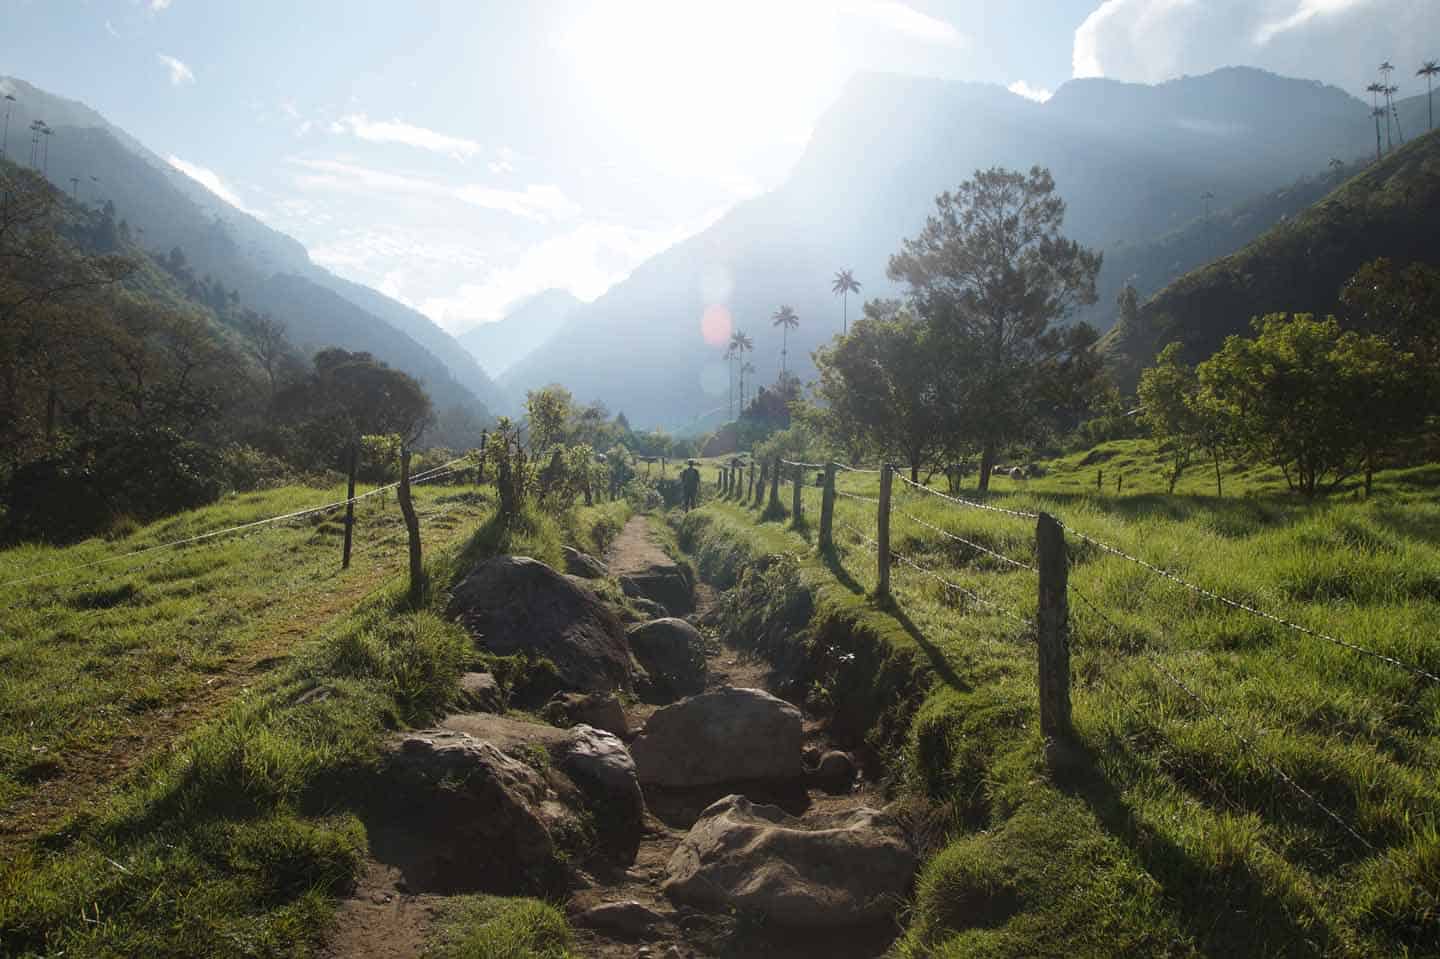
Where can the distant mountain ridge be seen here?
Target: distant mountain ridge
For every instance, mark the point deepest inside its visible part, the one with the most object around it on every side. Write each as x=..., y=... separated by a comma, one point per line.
x=1131, y=161
x=271, y=271
x=499, y=345
x=1389, y=209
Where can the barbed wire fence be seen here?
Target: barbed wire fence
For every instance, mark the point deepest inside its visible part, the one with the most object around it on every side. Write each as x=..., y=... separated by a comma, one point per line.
x=168, y=551
x=1051, y=624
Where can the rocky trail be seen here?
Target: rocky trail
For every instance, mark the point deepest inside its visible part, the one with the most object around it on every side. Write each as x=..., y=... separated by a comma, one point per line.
x=797, y=861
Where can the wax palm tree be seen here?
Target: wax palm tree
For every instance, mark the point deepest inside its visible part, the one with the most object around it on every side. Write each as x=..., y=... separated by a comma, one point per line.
x=745, y=368
x=1390, y=92
x=740, y=344
x=1428, y=71
x=1338, y=165
x=730, y=369
x=1377, y=113
x=786, y=319
x=845, y=284
x=1386, y=69
x=1207, y=196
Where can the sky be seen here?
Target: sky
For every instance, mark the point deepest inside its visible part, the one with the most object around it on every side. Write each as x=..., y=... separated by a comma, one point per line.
x=460, y=155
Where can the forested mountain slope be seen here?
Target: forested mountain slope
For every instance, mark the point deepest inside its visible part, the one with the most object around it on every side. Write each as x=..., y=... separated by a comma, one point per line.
x=1388, y=210
x=167, y=209
x=1132, y=162
x=498, y=346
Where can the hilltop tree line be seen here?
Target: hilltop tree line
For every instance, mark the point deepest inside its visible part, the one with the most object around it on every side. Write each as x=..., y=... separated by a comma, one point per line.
x=131, y=388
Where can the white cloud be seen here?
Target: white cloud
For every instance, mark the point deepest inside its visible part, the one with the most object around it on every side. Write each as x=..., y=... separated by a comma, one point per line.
x=397, y=131
x=179, y=72
x=907, y=21
x=157, y=5
x=539, y=202
x=1023, y=89
x=504, y=162
x=210, y=180
x=1336, y=41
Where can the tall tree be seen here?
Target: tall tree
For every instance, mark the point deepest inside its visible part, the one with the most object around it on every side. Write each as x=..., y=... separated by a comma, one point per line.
x=845, y=284
x=268, y=343
x=1386, y=69
x=883, y=387
x=786, y=319
x=993, y=274
x=1428, y=71
x=746, y=369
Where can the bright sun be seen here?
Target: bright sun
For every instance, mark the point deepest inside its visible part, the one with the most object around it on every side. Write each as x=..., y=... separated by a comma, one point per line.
x=706, y=84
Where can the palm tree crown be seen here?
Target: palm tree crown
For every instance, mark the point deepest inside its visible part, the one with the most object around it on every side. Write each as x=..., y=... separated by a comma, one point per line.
x=787, y=320
x=1429, y=71
x=845, y=284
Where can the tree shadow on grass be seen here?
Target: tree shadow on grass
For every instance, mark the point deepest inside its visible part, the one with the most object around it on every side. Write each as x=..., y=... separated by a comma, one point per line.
x=1228, y=912
x=831, y=558
x=938, y=662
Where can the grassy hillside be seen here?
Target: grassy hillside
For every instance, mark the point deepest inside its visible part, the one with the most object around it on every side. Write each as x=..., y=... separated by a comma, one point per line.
x=1389, y=210
x=1158, y=831
x=188, y=741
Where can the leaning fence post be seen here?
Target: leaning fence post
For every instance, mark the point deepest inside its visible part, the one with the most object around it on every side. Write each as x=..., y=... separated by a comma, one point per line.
x=1053, y=628
x=719, y=478
x=827, y=508
x=750, y=485
x=795, y=502
x=775, y=484
x=882, y=533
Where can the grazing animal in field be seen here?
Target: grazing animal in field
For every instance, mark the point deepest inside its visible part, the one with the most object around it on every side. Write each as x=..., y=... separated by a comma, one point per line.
x=1016, y=473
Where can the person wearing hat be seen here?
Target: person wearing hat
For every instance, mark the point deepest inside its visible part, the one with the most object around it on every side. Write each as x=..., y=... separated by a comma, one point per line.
x=689, y=485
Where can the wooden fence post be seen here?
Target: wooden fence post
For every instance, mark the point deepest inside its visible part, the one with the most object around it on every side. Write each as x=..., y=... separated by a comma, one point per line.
x=827, y=508
x=719, y=479
x=796, y=503
x=480, y=470
x=1053, y=628
x=412, y=527
x=350, y=505
x=760, y=486
x=882, y=533
x=750, y=485
x=775, y=484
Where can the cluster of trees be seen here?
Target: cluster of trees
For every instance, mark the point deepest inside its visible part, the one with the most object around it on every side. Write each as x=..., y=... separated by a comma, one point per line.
x=130, y=388
x=976, y=358
x=1319, y=399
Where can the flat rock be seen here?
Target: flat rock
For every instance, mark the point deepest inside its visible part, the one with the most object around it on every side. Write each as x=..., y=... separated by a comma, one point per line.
x=667, y=586
x=844, y=869
x=601, y=710
x=583, y=564
x=673, y=654
x=506, y=733
x=727, y=735
x=480, y=692
x=513, y=604
x=629, y=917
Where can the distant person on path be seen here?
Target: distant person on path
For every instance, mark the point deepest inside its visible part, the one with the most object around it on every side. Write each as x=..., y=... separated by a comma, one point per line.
x=689, y=484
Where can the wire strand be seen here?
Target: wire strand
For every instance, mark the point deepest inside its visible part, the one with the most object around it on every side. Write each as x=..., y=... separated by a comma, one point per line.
x=973, y=545
x=1236, y=604
x=1023, y=514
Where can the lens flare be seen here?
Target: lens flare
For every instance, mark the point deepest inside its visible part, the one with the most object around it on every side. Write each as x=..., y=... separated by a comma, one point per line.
x=715, y=325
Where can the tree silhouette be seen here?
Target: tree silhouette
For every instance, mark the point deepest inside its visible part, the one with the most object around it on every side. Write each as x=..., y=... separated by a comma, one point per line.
x=730, y=369
x=1338, y=165
x=740, y=344
x=746, y=367
x=5, y=137
x=786, y=319
x=1377, y=113
x=1386, y=69
x=1207, y=196
x=845, y=284
x=1428, y=71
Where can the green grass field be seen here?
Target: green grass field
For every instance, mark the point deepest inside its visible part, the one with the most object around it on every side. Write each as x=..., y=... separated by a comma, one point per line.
x=1158, y=832
x=226, y=822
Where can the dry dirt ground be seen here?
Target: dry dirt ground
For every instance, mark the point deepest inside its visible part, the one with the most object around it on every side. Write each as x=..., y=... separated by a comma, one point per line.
x=384, y=919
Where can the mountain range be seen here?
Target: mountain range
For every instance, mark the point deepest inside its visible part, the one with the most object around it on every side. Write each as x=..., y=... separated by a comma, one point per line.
x=1132, y=161
x=1389, y=209
x=499, y=345
x=269, y=271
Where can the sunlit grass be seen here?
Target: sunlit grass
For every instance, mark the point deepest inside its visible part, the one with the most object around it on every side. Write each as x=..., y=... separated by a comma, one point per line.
x=1158, y=832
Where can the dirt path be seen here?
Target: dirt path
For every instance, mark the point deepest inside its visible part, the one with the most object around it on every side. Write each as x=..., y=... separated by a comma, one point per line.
x=635, y=549
x=384, y=919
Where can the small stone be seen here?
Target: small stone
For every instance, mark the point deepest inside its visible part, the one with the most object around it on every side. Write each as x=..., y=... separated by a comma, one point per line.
x=629, y=917
x=836, y=769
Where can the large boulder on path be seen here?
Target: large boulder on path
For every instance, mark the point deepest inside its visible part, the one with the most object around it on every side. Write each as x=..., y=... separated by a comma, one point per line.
x=726, y=735
x=600, y=765
x=673, y=654
x=666, y=585
x=583, y=564
x=488, y=821
x=843, y=869
x=514, y=604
